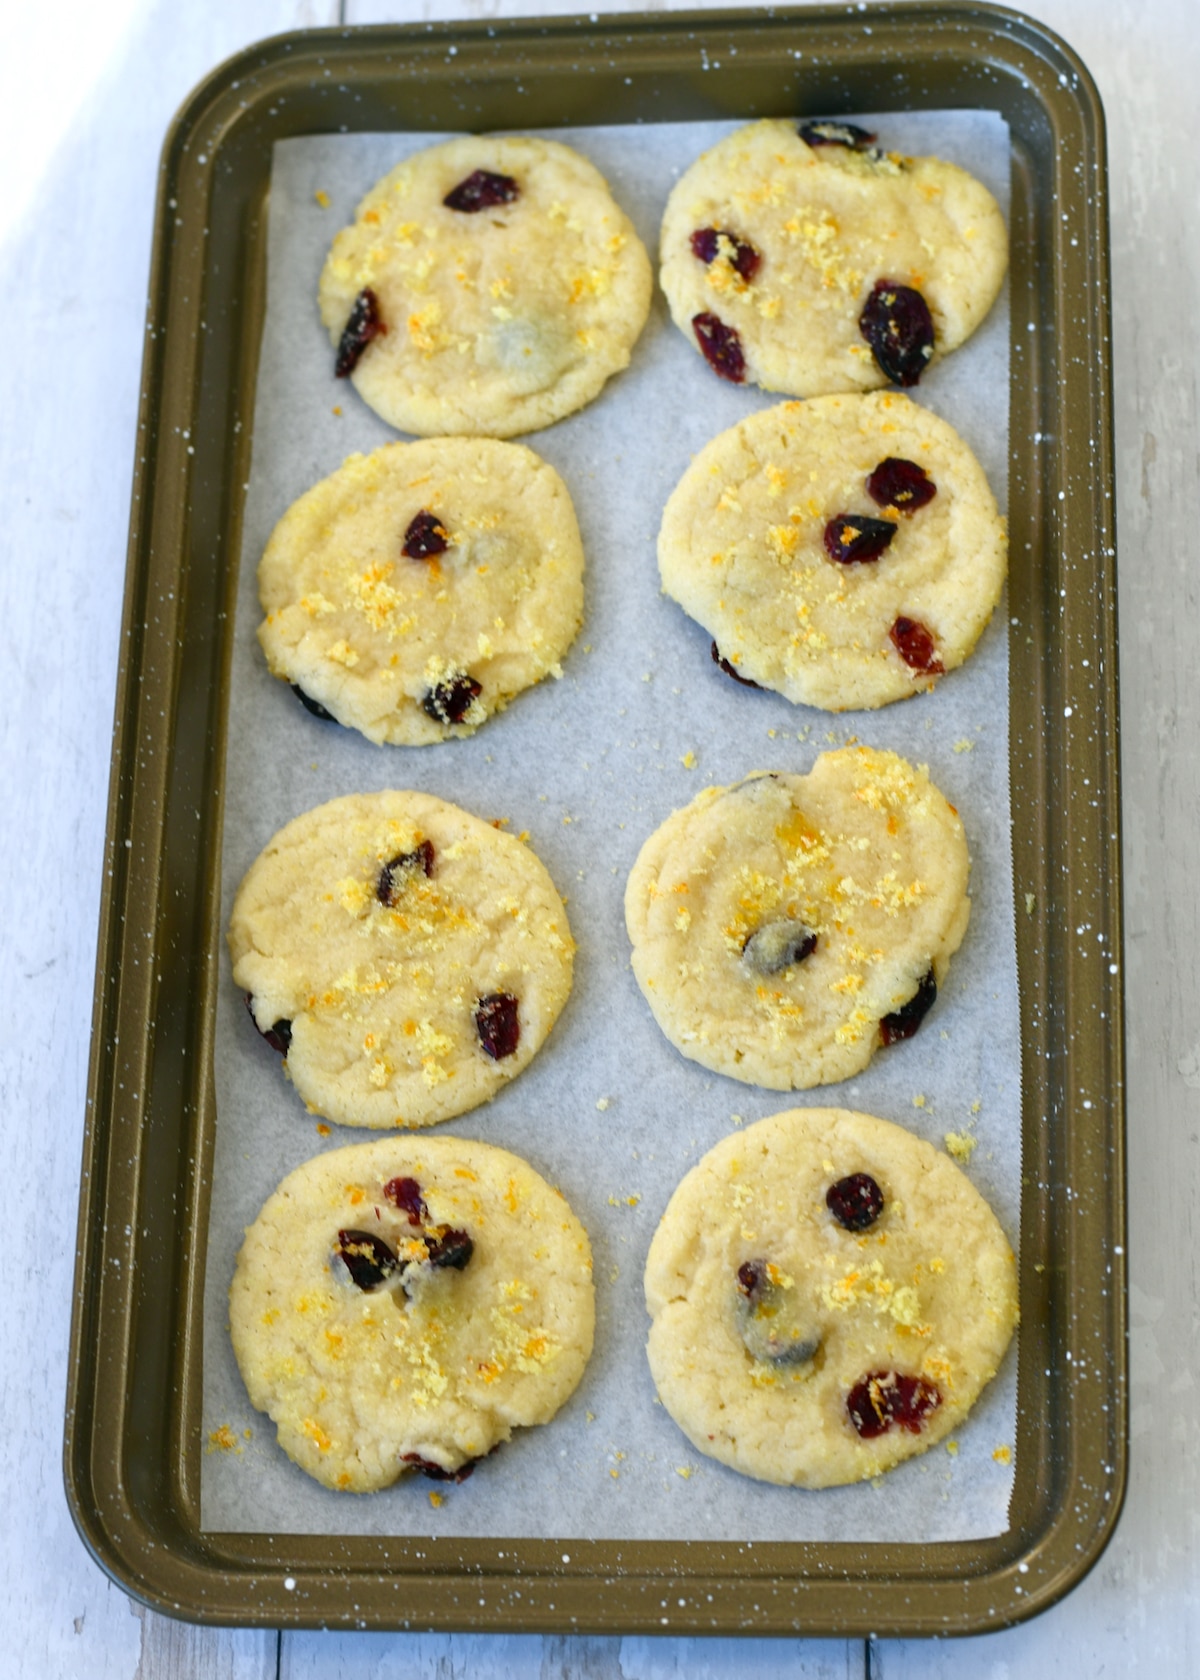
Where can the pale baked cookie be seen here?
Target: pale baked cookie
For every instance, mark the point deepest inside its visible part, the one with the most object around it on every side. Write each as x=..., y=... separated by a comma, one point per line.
x=829, y=1295
x=405, y=1305
x=786, y=927
x=406, y=958
x=845, y=551
x=818, y=264
x=416, y=590
x=487, y=285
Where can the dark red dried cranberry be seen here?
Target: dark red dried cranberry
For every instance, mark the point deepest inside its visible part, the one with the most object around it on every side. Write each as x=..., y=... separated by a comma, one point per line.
x=365, y=323
x=279, y=1037
x=451, y=700
x=914, y=642
x=425, y=537
x=394, y=874
x=449, y=1248
x=436, y=1473
x=482, y=190
x=498, y=1024
x=887, y=1398
x=752, y=1278
x=901, y=484
x=405, y=1194
x=721, y=347
x=706, y=244
x=731, y=670
x=855, y=537
x=896, y=323
x=778, y=945
x=311, y=705
x=855, y=1202
x=903, y=1022
x=368, y=1258
x=836, y=134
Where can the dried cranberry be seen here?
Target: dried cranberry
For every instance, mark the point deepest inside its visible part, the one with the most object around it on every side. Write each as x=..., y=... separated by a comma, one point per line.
x=855, y=1202
x=279, y=1037
x=482, y=190
x=498, y=1024
x=746, y=260
x=914, y=643
x=903, y=1022
x=365, y=323
x=311, y=705
x=368, y=1258
x=449, y=1248
x=836, y=134
x=855, y=537
x=450, y=701
x=886, y=1398
x=901, y=484
x=393, y=875
x=752, y=1278
x=896, y=323
x=405, y=1194
x=436, y=1473
x=425, y=537
x=721, y=347
x=778, y=945
x=731, y=670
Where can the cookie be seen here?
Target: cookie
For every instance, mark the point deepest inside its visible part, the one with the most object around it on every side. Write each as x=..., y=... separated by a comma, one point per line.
x=405, y=1305
x=845, y=551
x=406, y=958
x=829, y=1296
x=488, y=285
x=416, y=590
x=822, y=264
x=787, y=927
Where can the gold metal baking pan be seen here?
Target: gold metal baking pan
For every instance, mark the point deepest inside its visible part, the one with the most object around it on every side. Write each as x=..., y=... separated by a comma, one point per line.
x=133, y=1445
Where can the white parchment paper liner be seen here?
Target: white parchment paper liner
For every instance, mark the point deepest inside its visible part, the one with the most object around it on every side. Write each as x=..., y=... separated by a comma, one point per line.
x=590, y=766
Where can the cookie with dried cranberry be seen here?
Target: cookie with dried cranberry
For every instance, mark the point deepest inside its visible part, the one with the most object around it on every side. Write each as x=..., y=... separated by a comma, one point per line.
x=807, y=259
x=488, y=285
x=403, y=1306
x=418, y=589
x=786, y=928
x=829, y=1295
x=404, y=957
x=844, y=551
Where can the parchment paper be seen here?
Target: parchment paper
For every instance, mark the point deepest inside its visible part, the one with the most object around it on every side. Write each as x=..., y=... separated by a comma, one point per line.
x=590, y=765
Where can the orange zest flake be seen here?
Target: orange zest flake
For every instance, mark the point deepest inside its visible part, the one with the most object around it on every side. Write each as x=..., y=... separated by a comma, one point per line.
x=681, y=887
x=510, y=1195
x=316, y=1434
x=355, y=1194
x=371, y=216
x=343, y=1480
x=222, y=1439
x=410, y=1029
x=322, y=1129
x=465, y=1172
x=490, y=1369
x=369, y=1041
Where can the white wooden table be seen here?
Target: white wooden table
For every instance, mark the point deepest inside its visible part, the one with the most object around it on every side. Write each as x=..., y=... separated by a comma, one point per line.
x=86, y=92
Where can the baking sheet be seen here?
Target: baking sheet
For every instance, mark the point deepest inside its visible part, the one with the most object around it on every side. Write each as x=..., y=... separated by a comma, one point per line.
x=590, y=765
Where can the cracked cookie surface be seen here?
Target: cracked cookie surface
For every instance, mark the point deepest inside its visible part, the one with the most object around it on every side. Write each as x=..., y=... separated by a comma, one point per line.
x=422, y=1362
x=824, y=224
x=500, y=315
x=787, y=927
x=754, y=546
x=380, y=930
x=801, y=1352
x=418, y=589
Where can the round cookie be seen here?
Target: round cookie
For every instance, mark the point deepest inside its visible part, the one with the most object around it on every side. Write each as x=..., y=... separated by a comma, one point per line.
x=416, y=590
x=829, y=1295
x=487, y=285
x=407, y=958
x=787, y=927
x=827, y=265
x=845, y=551
x=406, y=1305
